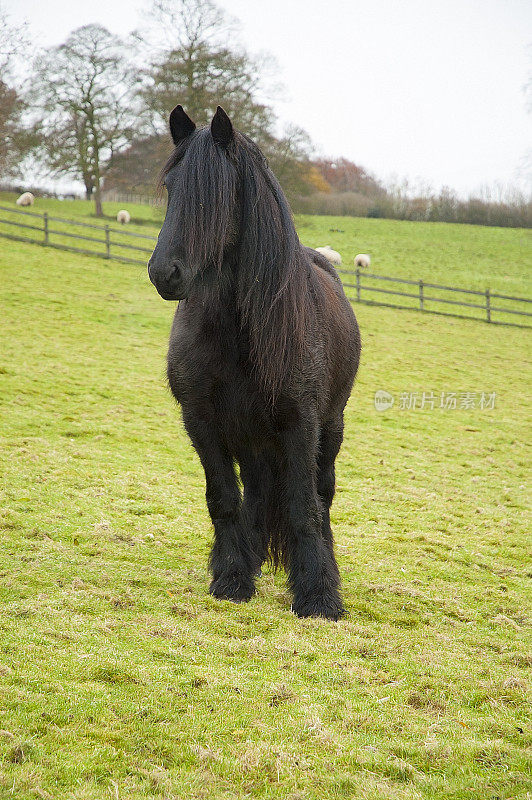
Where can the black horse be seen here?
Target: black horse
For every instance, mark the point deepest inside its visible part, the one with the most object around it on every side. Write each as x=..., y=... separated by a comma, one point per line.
x=263, y=354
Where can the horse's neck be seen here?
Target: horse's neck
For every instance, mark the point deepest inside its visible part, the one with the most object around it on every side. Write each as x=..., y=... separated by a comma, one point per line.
x=218, y=302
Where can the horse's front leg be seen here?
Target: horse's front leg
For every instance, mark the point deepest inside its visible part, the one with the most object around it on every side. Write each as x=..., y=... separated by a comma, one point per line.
x=233, y=562
x=312, y=570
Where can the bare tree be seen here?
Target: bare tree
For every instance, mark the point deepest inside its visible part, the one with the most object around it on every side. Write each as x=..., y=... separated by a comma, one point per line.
x=198, y=68
x=14, y=140
x=13, y=135
x=13, y=39
x=186, y=24
x=345, y=176
x=84, y=91
x=289, y=158
x=196, y=60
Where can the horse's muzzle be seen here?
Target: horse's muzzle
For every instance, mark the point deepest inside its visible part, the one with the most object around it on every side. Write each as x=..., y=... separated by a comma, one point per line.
x=169, y=280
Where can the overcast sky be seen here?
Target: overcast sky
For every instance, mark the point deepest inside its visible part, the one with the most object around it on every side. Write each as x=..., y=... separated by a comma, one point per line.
x=428, y=89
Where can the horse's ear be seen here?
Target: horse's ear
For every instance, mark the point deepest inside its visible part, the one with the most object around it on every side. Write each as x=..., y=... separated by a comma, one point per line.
x=180, y=125
x=221, y=128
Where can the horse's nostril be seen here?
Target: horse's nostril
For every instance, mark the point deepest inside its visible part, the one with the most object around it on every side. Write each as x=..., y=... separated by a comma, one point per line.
x=177, y=267
x=168, y=277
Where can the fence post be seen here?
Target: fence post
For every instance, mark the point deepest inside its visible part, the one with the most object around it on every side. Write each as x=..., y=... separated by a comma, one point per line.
x=107, y=242
x=488, y=306
x=45, y=223
x=421, y=296
x=358, y=284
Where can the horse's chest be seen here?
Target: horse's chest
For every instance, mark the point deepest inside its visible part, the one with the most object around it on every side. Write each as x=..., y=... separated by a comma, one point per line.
x=237, y=411
x=211, y=375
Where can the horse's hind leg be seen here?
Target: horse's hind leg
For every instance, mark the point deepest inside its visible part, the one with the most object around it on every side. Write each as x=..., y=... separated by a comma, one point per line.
x=255, y=473
x=312, y=570
x=232, y=560
x=331, y=436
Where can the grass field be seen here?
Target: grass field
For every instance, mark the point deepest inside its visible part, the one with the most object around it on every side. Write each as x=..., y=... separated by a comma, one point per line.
x=120, y=677
x=466, y=256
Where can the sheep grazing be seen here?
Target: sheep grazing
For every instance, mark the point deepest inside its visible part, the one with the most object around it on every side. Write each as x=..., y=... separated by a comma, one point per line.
x=123, y=217
x=26, y=199
x=330, y=254
x=362, y=260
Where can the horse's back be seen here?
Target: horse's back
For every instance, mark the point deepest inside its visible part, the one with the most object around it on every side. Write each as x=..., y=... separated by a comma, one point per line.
x=318, y=259
x=339, y=330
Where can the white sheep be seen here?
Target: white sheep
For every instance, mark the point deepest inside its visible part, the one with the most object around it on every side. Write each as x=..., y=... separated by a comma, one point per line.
x=330, y=254
x=26, y=199
x=362, y=260
x=123, y=217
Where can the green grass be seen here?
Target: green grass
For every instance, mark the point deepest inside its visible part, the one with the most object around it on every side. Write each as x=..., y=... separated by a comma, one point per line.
x=121, y=677
x=465, y=256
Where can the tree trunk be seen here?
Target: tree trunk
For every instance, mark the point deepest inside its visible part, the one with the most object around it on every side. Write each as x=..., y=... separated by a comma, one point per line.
x=96, y=175
x=89, y=183
x=97, y=184
x=98, y=200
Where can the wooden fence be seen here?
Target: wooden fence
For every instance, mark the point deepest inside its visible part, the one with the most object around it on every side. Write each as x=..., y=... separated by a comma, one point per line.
x=421, y=297
x=111, y=243
x=361, y=286
x=111, y=196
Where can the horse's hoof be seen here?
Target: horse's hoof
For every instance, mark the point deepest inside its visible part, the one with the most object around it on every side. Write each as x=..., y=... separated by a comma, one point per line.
x=232, y=587
x=328, y=607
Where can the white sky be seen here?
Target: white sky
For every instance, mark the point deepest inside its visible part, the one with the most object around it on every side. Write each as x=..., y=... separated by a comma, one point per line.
x=428, y=89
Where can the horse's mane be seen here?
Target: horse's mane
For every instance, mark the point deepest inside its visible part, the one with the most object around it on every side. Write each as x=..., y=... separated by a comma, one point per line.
x=275, y=281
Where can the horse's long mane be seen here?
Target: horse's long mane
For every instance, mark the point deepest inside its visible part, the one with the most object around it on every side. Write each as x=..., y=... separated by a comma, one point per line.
x=275, y=281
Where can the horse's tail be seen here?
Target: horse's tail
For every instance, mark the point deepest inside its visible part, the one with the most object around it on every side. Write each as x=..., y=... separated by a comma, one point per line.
x=277, y=530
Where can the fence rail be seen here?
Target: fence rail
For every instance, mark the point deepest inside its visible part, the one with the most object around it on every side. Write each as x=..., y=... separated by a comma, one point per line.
x=422, y=301
x=129, y=197
x=362, y=282
x=103, y=246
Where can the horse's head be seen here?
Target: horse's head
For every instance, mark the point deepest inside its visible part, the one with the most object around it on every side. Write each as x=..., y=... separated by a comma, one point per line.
x=229, y=239
x=202, y=222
